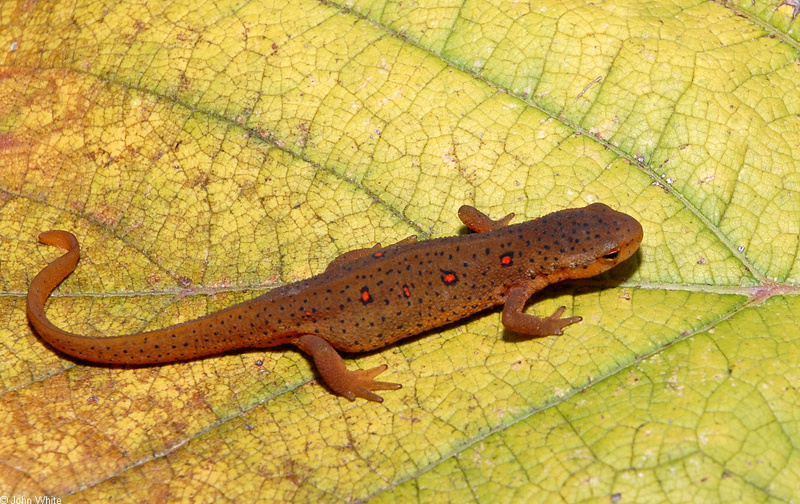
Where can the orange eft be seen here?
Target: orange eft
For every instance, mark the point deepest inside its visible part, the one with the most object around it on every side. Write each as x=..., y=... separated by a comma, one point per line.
x=370, y=298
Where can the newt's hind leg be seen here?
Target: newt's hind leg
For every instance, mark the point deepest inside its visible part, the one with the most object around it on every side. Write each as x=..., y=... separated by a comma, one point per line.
x=352, y=255
x=522, y=323
x=479, y=221
x=406, y=240
x=350, y=384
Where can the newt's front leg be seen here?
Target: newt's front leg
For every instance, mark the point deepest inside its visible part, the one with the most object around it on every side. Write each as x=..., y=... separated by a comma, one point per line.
x=514, y=319
x=330, y=365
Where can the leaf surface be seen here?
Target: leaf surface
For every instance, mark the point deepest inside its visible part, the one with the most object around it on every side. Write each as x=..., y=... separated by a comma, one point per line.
x=205, y=153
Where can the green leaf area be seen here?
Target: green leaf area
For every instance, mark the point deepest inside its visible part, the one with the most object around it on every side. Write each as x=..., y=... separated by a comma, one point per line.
x=207, y=152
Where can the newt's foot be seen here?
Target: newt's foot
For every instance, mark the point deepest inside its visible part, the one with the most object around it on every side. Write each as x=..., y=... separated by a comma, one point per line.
x=360, y=382
x=522, y=323
x=341, y=380
x=554, y=323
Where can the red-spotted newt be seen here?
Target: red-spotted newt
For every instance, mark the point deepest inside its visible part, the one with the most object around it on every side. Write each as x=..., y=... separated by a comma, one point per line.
x=369, y=298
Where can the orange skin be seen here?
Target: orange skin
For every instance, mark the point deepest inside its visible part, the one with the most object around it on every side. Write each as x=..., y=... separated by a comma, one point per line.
x=370, y=298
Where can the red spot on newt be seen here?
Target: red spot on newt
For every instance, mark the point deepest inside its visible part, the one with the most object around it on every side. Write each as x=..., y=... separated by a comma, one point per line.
x=449, y=277
x=574, y=243
x=365, y=297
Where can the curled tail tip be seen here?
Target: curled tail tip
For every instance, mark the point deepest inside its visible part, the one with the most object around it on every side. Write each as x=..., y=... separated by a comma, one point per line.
x=63, y=239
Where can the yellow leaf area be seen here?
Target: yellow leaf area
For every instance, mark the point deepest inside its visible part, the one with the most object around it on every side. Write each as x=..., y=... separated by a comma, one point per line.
x=207, y=152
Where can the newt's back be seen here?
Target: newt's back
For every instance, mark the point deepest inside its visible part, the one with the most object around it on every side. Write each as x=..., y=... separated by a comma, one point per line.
x=399, y=291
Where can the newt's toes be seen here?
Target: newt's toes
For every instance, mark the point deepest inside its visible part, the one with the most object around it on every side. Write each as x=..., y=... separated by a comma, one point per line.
x=362, y=383
x=556, y=323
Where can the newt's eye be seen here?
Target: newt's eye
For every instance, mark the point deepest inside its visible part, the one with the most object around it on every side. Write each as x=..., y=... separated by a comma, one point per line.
x=611, y=255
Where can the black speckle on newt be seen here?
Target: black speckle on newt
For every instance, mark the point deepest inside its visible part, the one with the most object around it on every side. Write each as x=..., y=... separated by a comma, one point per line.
x=370, y=298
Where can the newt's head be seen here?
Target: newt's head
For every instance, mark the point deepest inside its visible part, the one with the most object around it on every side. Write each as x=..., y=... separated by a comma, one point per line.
x=583, y=242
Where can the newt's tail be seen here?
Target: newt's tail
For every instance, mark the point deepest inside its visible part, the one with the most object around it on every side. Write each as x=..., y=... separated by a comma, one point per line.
x=48, y=279
x=196, y=338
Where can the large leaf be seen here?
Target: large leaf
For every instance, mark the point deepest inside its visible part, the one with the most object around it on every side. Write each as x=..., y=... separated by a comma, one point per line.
x=207, y=152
